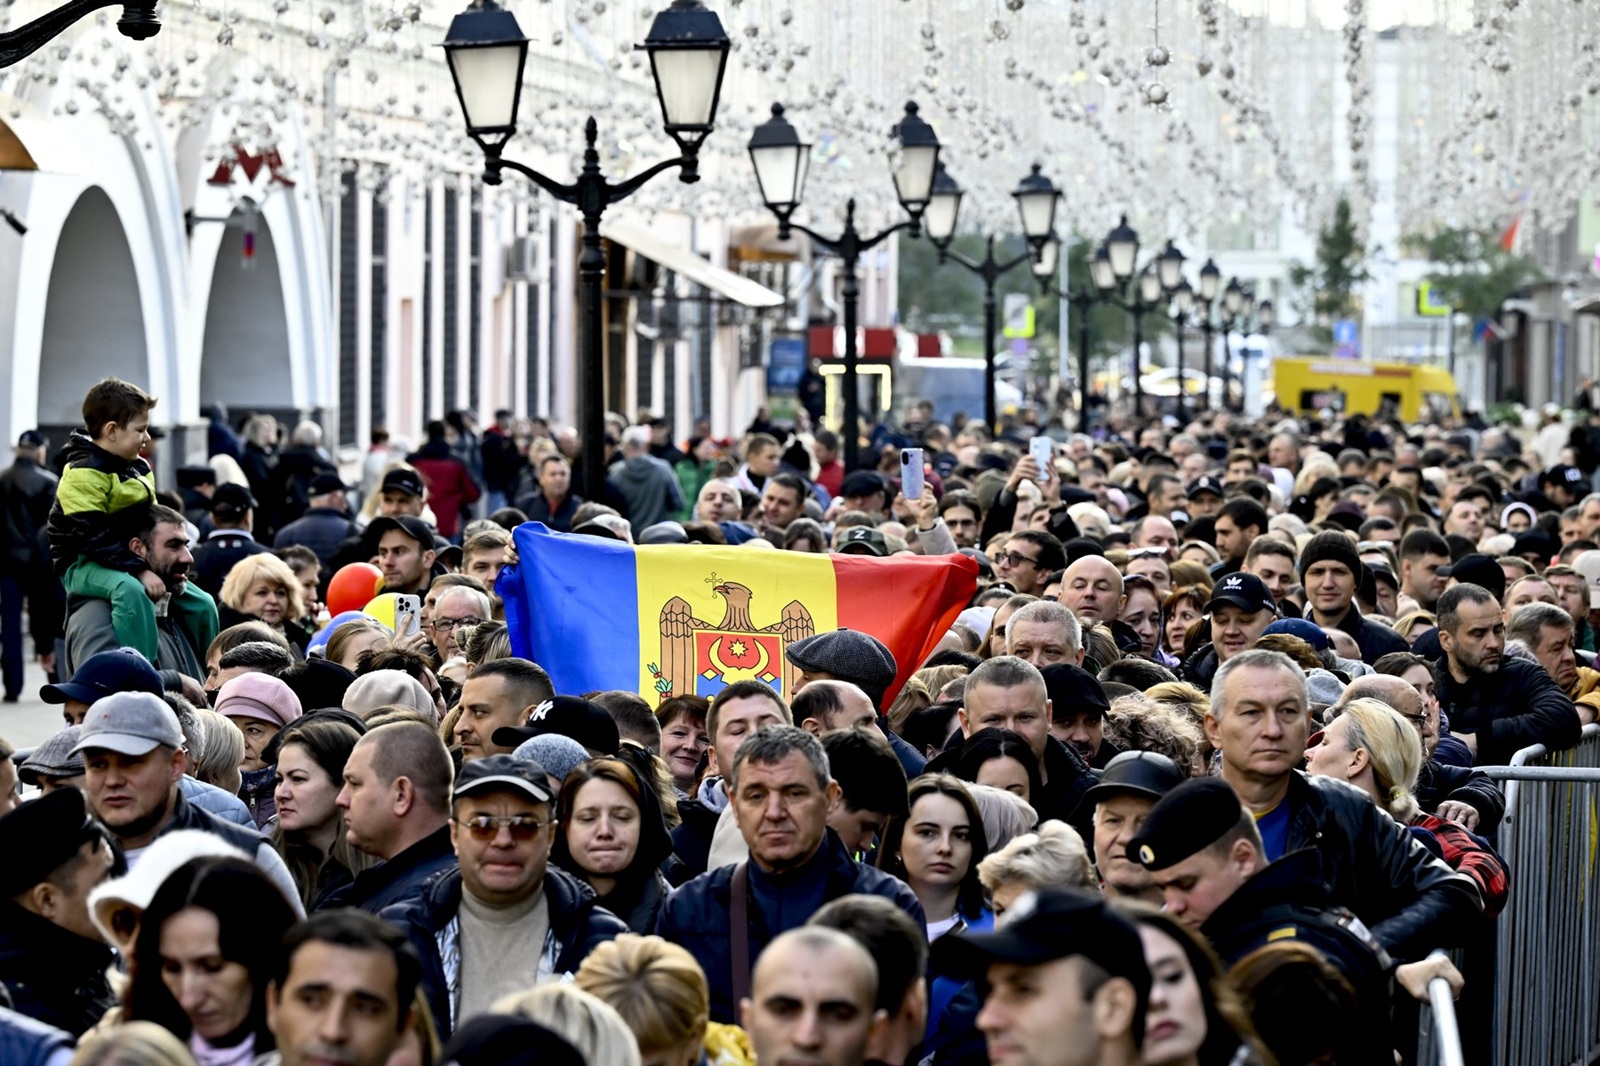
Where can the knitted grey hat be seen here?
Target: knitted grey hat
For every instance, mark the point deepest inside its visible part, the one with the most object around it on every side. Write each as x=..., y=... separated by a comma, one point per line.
x=558, y=754
x=1323, y=688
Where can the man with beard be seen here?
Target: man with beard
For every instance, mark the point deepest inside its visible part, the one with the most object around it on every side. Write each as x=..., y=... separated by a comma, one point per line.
x=134, y=759
x=161, y=541
x=1495, y=705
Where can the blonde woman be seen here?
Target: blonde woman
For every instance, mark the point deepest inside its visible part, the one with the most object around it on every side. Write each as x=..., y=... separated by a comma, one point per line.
x=1052, y=856
x=588, y=1023
x=132, y=1044
x=263, y=588
x=1373, y=747
x=659, y=991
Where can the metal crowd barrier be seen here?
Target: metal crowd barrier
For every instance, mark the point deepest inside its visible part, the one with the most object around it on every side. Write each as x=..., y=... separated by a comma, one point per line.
x=1547, y=969
x=1439, y=1039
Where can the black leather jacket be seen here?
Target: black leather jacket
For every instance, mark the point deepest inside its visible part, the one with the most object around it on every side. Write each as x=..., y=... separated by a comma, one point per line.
x=26, y=492
x=1411, y=901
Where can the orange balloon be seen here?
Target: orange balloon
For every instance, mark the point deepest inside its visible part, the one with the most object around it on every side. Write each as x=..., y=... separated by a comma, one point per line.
x=353, y=586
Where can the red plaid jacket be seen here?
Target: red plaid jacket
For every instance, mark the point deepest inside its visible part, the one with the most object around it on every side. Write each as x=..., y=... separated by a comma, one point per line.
x=1468, y=855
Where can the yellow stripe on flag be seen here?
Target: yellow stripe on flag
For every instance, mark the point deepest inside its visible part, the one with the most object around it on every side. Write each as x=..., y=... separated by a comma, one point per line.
x=711, y=616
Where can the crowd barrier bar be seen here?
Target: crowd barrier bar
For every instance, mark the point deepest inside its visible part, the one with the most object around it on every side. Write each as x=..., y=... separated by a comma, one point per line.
x=1547, y=952
x=1439, y=1038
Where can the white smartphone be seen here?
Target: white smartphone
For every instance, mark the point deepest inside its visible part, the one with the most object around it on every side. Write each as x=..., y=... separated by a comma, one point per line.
x=407, y=615
x=1043, y=450
x=911, y=473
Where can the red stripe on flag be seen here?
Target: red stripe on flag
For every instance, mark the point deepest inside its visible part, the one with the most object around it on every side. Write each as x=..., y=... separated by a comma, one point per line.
x=909, y=602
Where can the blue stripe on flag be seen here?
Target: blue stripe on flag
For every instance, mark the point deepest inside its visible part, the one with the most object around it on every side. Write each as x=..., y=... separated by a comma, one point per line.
x=592, y=641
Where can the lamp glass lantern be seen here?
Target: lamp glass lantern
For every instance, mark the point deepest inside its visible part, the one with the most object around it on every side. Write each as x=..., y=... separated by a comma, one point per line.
x=1233, y=296
x=1044, y=267
x=944, y=207
x=915, y=161
x=1122, y=244
x=1100, y=272
x=780, y=159
x=1169, y=264
x=688, y=51
x=1037, y=197
x=1210, y=282
x=1183, y=296
x=1149, y=285
x=487, y=52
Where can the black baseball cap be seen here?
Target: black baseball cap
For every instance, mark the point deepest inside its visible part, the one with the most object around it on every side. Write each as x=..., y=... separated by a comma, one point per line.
x=1201, y=485
x=410, y=525
x=1563, y=474
x=1134, y=773
x=1242, y=590
x=1073, y=690
x=42, y=835
x=406, y=481
x=861, y=540
x=1475, y=568
x=1188, y=819
x=31, y=440
x=505, y=772
x=232, y=499
x=571, y=716
x=862, y=483
x=326, y=483
x=1043, y=926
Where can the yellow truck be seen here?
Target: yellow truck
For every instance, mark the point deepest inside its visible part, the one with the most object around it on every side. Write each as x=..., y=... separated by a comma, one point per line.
x=1352, y=386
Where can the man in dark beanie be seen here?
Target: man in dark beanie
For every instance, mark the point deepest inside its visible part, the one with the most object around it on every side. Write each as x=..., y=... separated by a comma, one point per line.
x=52, y=962
x=862, y=660
x=1330, y=570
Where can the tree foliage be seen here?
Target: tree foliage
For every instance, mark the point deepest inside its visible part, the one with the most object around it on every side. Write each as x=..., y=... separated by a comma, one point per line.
x=1475, y=273
x=1339, y=270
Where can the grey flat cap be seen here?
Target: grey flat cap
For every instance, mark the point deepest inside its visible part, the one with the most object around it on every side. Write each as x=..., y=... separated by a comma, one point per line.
x=848, y=655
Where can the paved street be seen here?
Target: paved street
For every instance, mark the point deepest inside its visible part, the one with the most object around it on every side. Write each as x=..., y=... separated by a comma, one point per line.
x=30, y=721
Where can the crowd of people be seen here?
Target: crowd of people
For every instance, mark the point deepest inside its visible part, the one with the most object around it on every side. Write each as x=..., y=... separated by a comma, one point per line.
x=1195, y=778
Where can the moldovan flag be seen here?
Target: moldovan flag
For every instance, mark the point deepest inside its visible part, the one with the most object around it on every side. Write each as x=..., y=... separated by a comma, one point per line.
x=684, y=619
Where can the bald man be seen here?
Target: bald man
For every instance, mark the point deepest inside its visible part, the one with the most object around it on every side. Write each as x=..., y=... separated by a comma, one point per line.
x=813, y=1000
x=1092, y=590
x=1454, y=793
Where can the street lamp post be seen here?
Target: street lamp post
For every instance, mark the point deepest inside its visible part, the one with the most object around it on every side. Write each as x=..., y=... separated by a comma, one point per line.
x=781, y=160
x=1210, y=281
x=1036, y=204
x=1081, y=302
x=1114, y=266
x=138, y=21
x=688, y=52
x=1182, y=305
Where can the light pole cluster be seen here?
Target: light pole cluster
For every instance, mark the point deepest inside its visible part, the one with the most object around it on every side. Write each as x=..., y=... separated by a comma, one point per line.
x=781, y=160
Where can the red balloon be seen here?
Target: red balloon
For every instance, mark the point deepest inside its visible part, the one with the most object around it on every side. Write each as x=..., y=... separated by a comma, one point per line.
x=353, y=587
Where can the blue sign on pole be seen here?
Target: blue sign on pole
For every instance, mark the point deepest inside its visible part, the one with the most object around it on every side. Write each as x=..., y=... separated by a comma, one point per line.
x=786, y=366
x=1346, y=339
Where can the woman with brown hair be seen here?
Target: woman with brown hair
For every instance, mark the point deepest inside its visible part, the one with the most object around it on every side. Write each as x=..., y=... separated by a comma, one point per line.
x=612, y=837
x=1183, y=607
x=936, y=849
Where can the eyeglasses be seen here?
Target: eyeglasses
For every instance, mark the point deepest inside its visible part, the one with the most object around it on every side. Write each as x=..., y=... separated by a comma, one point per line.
x=483, y=827
x=445, y=625
x=1418, y=720
x=1147, y=553
x=1015, y=559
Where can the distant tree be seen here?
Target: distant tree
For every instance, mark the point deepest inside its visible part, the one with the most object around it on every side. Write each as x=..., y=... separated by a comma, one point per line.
x=1330, y=284
x=1475, y=273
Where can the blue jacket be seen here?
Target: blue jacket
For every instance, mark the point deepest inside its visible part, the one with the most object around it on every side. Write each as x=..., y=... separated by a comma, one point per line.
x=578, y=925
x=698, y=915
x=322, y=529
x=213, y=800
x=25, y=1042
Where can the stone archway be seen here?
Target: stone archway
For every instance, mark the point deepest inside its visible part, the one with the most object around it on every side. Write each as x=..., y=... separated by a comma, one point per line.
x=245, y=353
x=93, y=320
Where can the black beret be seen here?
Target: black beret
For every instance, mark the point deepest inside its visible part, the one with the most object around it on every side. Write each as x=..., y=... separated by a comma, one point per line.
x=1073, y=690
x=1190, y=818
x=41, y=835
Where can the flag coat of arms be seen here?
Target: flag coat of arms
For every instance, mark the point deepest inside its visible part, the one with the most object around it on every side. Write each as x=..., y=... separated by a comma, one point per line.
x=690, y=620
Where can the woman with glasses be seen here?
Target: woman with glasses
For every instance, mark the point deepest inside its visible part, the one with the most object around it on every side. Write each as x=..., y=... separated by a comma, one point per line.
x=1373, y=747
x=613, y=838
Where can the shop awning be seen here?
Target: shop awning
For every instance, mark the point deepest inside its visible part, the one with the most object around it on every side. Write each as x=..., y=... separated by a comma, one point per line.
x=696, y=268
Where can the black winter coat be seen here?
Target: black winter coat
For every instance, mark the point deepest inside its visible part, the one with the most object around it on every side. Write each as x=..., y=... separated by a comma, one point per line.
x=1200, y=666
x=53, y=974
x=26, y=492
x=1439, y=782
x=321, y=529
x=1371, y=864
x=577, y=921
x=1374, y=640
x=398, y=879
x=1515, y=707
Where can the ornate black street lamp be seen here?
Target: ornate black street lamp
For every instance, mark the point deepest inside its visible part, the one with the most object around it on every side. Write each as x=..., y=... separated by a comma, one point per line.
x=688, y=52
x=1111, y=269
x=1036, y=200
x=781, y=159
x=138, y=21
